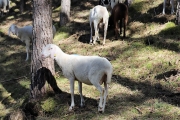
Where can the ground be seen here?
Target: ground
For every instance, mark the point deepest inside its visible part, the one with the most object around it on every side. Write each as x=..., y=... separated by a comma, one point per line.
x=146, y=77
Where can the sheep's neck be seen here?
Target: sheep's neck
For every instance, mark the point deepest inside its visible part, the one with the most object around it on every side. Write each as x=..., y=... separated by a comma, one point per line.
x=61, y=58
x=17, y=33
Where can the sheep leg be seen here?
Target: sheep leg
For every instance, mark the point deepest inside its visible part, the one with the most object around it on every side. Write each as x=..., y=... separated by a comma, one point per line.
x=105, y=32
x=72, y=94
x=100, y=107
x=125, y=24
x=120, y=26
x=172, y=6
x=105, y=94
x=91, y=33
x=27, y=49
x=164, y=5
x=4, y=9
x=96, y=31
x=116, y=30
x=98, y=86
x=80, y=91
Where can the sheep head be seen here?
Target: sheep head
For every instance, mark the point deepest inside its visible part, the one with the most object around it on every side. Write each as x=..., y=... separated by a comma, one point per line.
x=12, y=29
x=49, y=51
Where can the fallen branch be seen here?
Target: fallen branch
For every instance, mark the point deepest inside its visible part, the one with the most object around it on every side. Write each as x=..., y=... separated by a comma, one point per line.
x=138, y=110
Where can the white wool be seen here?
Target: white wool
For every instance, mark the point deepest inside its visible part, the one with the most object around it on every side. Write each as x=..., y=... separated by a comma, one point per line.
x=25, y=35
x=4, y=6
x=91, y=70
x=98, y=14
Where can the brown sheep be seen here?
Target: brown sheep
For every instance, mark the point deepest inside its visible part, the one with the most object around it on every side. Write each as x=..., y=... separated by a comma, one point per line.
x=119, y=14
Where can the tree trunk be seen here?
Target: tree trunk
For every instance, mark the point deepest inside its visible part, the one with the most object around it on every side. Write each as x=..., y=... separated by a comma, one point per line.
x=22, y=5
x=65, y=12
x=42, y=35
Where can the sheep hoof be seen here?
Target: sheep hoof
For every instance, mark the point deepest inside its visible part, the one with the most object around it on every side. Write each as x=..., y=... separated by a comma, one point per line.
x=100, y=110
x=82, y=105
x=71, y=108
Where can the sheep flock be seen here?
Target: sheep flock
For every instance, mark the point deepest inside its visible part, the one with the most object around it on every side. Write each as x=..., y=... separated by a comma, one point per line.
x=90, y=70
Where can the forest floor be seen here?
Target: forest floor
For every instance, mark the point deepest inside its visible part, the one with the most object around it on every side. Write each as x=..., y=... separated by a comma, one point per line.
x=146, y=76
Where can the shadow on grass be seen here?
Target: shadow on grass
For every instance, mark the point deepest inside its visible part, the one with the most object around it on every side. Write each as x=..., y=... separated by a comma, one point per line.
x=167, y=74
x=149, y=91
x=12, y=72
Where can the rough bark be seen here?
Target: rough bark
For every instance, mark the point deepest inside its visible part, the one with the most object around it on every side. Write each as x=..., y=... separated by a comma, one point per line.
x=65, y=12
x=22, y=5
x=42, y=70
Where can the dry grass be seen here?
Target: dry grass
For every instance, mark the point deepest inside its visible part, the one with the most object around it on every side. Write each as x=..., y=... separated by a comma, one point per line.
x=146, y=78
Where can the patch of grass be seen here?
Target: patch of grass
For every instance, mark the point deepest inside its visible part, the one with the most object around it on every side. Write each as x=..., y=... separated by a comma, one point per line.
x=49, y=105
x=62, y=33
x=170, y=28
x=159, y=110
x=139, y=5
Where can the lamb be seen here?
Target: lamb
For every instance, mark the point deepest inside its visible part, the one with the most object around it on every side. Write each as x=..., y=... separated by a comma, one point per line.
x=25, y=35
x=4, y=6
x=172, y=6
x=119, y=13
x=98, y=14
x=91, y=70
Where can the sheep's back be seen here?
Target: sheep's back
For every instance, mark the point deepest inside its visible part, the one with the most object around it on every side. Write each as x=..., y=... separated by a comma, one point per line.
x=98, y=12
x=84, y=66
x=26, y=31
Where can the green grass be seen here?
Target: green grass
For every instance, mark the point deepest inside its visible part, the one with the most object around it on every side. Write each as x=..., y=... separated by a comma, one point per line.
x=61, y=33
x=170, y=28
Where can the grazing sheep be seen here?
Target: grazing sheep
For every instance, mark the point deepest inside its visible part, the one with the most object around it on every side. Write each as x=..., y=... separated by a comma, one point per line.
x=25, y=35
x=119, y=13
x=98, y=14
x=4, y=6
x=172, y=6
x=91, y=70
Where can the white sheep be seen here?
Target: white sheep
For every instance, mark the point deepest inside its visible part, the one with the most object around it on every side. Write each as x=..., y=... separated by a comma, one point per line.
x=98, y=14
x=4, y=6
x=25, y=35
x=91, y=70
x=172, y=6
